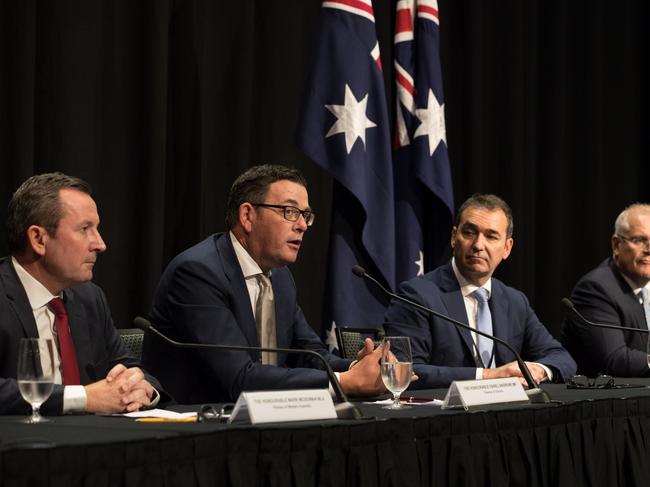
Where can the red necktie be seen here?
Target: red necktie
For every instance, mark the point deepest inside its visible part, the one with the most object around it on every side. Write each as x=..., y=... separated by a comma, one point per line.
x=66, y=347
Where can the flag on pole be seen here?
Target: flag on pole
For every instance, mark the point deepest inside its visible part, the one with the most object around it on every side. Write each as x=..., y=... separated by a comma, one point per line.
x=344, y=128
x=424, y=202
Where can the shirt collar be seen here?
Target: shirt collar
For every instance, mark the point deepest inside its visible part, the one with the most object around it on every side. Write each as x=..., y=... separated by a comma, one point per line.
x=37, y=294
x=248, y=265
x=635, y=289
x=466, y=287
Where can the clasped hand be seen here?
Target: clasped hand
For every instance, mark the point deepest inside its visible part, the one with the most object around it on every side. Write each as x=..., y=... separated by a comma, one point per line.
x=123, y=390
x=364, y=377
x=512, y=370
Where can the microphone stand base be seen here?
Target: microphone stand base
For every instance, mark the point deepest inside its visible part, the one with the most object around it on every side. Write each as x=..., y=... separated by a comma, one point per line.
x=538, y=396
x=347, y=410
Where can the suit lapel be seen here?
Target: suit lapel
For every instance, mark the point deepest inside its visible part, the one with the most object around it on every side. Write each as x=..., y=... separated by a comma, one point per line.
x=241, y=299
x=282, y=308
x=17, y=298
x=79, y=329
x=500, y=328
x=455, y=306
x=638, y=314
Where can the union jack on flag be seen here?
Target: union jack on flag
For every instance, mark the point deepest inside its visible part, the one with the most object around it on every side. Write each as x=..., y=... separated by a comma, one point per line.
x=424, y=202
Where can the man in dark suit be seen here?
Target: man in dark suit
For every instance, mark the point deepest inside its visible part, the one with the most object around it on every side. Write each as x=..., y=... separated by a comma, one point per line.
x=442, y=353
x=54, y=240
x=215, y=293
x=613, y=293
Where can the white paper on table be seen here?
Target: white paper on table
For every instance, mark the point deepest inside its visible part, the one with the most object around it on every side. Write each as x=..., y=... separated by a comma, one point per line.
x=159, y=413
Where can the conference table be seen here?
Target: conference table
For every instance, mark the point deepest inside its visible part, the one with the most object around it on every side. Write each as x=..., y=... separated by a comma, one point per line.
x=584, y=437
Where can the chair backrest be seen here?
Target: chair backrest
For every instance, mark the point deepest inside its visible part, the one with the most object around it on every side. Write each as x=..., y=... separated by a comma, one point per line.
x=350, y=339
x=132, y=338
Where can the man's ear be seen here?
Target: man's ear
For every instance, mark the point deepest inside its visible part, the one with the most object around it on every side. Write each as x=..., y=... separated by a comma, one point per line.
x=508, y=247
x=454, y=231
x=615, y=242
x=246, y=216
x=37, y=238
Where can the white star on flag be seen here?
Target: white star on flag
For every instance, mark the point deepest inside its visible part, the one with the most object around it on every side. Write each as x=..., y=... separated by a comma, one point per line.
x=420, y=264
x=433, y=122
x=351, y=119
x=331, y=342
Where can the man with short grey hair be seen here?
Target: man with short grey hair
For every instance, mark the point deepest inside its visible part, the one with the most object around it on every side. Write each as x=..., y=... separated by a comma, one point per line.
x=615, y=292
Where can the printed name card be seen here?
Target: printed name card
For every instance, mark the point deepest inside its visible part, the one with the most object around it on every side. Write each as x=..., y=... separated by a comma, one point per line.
x=471, y=393
x=280, y=406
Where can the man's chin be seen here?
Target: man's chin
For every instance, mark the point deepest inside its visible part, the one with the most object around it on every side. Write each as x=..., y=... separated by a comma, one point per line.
x=475, y=275
x=478, y=270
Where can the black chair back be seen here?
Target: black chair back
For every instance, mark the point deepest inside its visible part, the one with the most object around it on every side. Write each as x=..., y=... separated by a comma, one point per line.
x=350, y=339
x=132, y=338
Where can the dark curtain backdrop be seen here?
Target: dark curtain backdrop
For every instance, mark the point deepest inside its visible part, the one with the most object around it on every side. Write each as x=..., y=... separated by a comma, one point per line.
x=160, y=104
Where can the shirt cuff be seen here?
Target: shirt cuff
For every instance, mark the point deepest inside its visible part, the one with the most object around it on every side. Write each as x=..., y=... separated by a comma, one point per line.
x=155, y=399
x=549, y=372
x=74, y=399
x=330, y=388
x=479, y=374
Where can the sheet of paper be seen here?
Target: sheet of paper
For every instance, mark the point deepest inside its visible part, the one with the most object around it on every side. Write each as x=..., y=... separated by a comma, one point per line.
x=159, y=413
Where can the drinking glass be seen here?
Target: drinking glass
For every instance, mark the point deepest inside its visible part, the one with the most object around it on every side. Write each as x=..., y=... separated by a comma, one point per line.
x=36, y=374
x=396, y=367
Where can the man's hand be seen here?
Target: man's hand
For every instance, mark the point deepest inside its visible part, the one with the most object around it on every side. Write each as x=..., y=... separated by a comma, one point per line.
x=368, y=347
x=512, y=370
x=364, y=379
x=122, y=390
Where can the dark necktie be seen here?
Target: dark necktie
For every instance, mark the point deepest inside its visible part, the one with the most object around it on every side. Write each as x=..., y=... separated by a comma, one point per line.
x=66, y=346
x=646, y=305
x=484, y=324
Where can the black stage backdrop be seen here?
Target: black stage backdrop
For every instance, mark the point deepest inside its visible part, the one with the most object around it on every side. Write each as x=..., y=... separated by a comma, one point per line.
x=159, y=104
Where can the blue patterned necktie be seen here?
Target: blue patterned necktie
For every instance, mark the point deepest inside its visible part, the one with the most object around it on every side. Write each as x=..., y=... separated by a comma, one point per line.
x=646, y=305
x=484, y=324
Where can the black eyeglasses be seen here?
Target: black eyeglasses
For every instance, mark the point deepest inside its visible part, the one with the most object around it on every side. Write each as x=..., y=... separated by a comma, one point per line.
x=208, y=414
x=291, y=213
x=601, y=381
x=584, y=382
x=636, y=241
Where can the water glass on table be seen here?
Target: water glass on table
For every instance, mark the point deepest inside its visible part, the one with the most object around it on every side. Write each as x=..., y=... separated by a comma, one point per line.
x=35, y=374
x=396, y=368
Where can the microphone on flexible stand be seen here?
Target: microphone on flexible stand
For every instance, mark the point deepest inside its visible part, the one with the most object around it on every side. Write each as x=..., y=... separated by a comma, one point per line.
x=344, y=409
x=534, y=392
x=566, y=302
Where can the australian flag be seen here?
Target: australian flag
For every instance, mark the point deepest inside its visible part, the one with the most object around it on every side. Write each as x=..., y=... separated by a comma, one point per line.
x=424, y=202
x=344, y=128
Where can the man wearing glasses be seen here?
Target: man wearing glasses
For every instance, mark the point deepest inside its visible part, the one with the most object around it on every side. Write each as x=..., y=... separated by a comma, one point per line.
x=615, y=292
x=234, y=289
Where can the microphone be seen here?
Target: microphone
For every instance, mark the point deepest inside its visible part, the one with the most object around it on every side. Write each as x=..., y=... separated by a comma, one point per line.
x=536, y=393
x=568, y=304
x=344, y=409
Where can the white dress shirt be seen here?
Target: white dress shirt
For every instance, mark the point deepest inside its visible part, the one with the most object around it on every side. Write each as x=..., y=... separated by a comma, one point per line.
x=251, y=269
x=471, y=307
x=74, y=397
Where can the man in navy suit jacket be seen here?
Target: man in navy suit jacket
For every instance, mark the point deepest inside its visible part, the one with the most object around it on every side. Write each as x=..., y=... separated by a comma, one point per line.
x=54, y=240
x=208, y=294
x=612, y=293
x=442, y=352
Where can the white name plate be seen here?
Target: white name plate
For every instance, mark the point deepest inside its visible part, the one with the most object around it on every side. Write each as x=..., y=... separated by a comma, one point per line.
x=470, y=393
x=279, y=406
